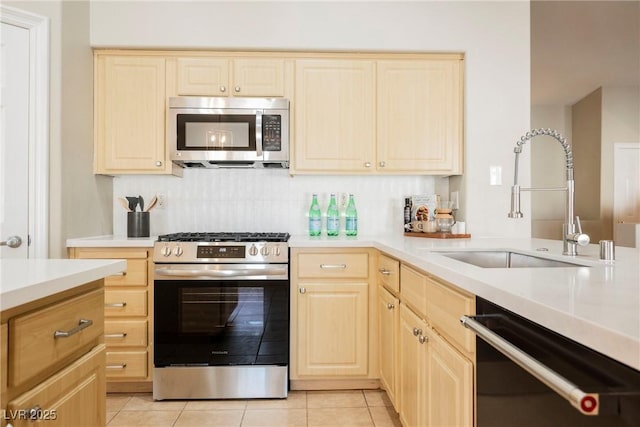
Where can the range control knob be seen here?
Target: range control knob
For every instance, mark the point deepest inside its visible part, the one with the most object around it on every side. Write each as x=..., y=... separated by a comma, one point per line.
x=276, y=251
x=264, y=251
x=178, y=251
x=253, y=251
x=166, y=251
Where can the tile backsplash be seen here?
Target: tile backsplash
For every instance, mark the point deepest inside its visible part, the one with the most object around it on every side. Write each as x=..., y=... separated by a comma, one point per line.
x=265, y=199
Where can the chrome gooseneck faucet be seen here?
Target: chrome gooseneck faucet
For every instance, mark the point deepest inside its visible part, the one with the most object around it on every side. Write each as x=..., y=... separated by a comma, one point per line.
x=570, y=237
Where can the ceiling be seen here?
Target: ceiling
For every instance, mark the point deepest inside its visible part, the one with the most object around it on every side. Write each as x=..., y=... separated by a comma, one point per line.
x=578, y=46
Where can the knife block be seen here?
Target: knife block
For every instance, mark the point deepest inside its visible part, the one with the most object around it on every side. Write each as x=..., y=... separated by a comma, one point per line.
x=137, y=224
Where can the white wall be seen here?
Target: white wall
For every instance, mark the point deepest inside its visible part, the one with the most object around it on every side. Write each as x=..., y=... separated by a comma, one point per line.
x=493, y=35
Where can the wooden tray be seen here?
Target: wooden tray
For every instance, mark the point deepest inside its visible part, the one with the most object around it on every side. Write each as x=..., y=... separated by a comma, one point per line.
x=438, y=235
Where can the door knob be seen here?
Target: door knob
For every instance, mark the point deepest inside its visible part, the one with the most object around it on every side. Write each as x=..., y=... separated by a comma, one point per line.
x=12, y=242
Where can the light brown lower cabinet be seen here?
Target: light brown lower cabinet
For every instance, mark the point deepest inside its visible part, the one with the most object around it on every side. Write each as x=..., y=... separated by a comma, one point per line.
x=128, y=314
x=53, y=360
x=388, y=326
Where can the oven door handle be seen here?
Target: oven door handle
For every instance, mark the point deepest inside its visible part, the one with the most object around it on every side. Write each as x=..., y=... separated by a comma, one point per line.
x=220, y=273
x=259, y=133
x=586, y=403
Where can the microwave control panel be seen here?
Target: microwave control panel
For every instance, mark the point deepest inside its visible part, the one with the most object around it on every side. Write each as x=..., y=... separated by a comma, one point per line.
x=271, y=133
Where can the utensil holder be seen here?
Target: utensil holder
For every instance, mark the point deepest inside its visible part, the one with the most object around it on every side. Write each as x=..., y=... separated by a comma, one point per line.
x=137, y=224
x=607, y=250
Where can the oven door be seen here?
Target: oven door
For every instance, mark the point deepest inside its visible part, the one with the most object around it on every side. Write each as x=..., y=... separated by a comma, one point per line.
x=221, y=315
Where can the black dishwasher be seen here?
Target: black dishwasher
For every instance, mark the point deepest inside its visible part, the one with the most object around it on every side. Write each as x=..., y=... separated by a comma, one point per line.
x=527, y=375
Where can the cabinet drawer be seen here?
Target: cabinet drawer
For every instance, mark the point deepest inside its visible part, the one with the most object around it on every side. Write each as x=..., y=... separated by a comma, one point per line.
x=338, y=265
x=76, y=394
x=126, y=364
x=125, y=333
x=413, y=288
x=33, y=348
x=125, y=302
x=134, y=275
x=389, y=272
x=445, y=306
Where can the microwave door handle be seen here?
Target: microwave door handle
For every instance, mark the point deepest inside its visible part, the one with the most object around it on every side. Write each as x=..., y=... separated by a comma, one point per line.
x=259, y=133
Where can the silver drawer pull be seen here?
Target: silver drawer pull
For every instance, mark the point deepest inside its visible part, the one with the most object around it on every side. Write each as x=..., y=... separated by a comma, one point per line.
x=390, y=306
x=422, y=339
x=120, y=335
x=82, y=324
x=333, y=266
x=416, y=332
x=115, y=304
x=122, y=273
x=120, y=366
x=385, y=271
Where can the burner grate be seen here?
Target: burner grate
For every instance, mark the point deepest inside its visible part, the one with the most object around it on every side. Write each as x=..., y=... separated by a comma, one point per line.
x=225, y=237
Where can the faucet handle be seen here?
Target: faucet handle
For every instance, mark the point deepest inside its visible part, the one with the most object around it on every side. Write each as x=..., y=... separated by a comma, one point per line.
x=579, y=238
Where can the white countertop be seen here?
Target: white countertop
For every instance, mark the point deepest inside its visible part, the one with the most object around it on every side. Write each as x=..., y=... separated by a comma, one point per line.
x=597, y=306
x=23, y=281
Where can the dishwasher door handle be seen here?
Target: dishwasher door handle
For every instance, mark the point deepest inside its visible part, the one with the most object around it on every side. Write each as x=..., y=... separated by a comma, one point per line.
x=586, y=403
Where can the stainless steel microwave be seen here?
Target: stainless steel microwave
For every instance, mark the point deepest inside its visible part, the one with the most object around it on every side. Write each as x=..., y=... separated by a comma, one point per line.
x=212, y=132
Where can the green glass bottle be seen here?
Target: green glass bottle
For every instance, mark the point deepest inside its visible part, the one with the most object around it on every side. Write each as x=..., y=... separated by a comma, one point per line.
x=351, y=218
x=315, y=217
x=333, y=217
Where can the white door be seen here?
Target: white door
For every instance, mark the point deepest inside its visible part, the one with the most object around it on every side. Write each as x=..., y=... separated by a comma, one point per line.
x=626, y=182
x=14, y=141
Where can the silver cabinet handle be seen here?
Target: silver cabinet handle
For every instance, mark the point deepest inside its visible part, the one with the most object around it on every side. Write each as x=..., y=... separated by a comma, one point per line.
x=122, y=273
x=82, y=324
x=116, y=304
x=333, y=266
x=158, y=163
x=237, y=89
x=382, y=164
x=303, y=290
x=367, y=164
x=12, y=242
x=417, y=332
x=120, y=366
x=422, y=339
x=385, y=272
x=390, y=306
x=223, y=89
x=120, y=335
x=586, y=403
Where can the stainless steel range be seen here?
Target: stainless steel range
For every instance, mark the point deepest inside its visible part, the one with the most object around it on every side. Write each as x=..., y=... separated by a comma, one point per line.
x=221, y=316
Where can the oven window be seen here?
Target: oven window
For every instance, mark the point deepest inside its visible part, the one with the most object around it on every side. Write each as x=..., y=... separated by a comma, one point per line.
x=212, y=309
x=223, y=132
x=221, y=322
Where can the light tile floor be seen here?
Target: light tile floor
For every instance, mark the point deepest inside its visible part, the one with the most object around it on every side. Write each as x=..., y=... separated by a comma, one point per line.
x=361, y=408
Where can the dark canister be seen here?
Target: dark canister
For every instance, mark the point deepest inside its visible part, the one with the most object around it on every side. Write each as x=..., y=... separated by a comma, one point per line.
x=137, y=224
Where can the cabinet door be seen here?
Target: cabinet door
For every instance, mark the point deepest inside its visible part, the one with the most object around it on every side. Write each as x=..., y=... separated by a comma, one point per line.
x=76, y=396
x=450, y=386
x=420, y=116
x=388, y=322
x=258, y=77
x=130, y=115
x=203, y=76
x=333, y=328
x=334, y=116
x=412, y=369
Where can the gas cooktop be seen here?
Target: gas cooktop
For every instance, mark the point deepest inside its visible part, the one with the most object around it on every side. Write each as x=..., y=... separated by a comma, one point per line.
x=224, y=237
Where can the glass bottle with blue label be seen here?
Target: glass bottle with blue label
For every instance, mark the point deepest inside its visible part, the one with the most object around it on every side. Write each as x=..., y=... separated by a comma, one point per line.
x=333, y=217
x=315, y=217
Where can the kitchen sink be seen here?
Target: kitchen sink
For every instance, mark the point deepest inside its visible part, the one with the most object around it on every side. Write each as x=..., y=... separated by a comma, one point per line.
x=506, y=259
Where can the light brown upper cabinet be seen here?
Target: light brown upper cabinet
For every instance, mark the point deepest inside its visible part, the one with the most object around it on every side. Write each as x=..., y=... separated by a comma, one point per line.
x=419, y=116
x=129, y=121
x=334, y=115
x=396, y=114
x=214, y=76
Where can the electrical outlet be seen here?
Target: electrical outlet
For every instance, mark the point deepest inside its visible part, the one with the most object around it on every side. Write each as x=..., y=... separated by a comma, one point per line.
x=344, y=198
x=162, y=201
